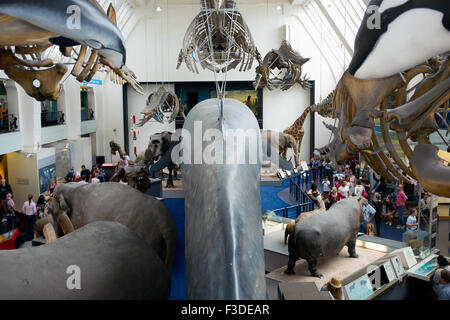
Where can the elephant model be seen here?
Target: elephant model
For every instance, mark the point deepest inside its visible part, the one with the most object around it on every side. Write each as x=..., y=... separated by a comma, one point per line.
x=283, y=141
x=325, y=233
x=146, y=216
x=110, y=261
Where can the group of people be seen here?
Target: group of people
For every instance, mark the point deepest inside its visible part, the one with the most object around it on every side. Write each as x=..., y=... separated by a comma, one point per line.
x=349, y=180
x=29, y=210
x=96, y=175
x=32, y=211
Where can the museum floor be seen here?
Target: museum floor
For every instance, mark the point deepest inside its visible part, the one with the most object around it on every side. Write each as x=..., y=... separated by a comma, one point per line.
x=270, y=200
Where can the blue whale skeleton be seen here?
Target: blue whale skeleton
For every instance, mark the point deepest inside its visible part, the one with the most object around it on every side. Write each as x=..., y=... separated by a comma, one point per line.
x=27, y=32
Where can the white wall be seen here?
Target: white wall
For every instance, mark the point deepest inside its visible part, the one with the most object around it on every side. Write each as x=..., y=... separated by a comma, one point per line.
x=154, y=44
x=136, y=103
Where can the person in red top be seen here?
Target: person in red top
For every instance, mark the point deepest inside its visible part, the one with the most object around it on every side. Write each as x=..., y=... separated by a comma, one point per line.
x=401, y=202
x=334, y=197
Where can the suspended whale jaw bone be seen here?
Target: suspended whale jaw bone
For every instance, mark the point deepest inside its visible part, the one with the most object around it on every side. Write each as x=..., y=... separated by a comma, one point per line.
x=49, y=79
x=429, y=168
x=366, y=95
x=407, y=118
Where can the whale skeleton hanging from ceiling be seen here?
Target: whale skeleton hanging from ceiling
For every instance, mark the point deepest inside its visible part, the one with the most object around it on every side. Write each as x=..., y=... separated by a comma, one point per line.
x=218, y=39
x=158, y=103
x=32, y=28
x=380, y=89
x=289, y=64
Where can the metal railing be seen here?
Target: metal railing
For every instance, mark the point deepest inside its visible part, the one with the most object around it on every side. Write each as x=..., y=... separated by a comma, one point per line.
x=9, y=123
x=87, y=114
x=49, y=119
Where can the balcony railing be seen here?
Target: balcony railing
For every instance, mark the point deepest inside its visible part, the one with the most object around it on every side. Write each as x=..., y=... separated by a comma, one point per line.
x=9, y=123
x=87, y=114
x=49, y=119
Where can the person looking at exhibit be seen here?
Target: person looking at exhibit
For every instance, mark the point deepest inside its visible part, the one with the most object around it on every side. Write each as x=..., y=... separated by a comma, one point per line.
x=401, y=202
x=314, y=194
x=445, y=289
x=85, y=173
x=411, y=222
x=436, y=284
x=326, y=185
x=334, y=286
x=4, y=189
x=344, y=189
x=334, y=197
x=125, y=159
x=358, y=189
x=10, y=212
x=390, y=211
x=425, y=204
x=51, y=187
x=378, y=206
x=368, y=213
x=70, y=177
x=30, y=210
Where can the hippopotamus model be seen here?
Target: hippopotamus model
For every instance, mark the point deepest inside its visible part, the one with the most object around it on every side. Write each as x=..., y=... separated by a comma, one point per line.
x=326, y=233
x=146, y=216
x=109, y=260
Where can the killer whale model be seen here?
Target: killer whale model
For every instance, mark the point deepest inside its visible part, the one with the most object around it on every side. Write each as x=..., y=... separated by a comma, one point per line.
x=411, y=32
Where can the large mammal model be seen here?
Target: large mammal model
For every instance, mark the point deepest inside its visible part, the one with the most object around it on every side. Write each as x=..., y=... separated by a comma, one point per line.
x=226, y=262
x=114, y=263
x=325, y=234
x=290, y=226
x=147, y=217
x=283, y=141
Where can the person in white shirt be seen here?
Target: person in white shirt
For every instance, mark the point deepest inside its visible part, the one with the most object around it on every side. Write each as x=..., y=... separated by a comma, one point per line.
x=358, y=189
x=95, y=180
x=344, y=189
x=30, y=210
x=125, y=158
x=326, y=185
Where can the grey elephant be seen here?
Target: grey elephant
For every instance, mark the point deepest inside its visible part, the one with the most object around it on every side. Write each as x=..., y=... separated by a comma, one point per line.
x=110, y=261
x=326, y=233
x=283, y=141
x=146, y=216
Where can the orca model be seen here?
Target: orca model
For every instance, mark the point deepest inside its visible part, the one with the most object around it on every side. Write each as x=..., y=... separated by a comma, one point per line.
x=411, y=32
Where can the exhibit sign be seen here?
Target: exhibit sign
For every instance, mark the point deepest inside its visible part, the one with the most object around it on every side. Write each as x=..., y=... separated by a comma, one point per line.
x=360, y=289
x=407, y=257
x=425, y=269
x=304, y=165
x=398, y=266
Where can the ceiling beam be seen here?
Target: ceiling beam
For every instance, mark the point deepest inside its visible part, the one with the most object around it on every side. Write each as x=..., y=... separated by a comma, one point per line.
x=341, y=37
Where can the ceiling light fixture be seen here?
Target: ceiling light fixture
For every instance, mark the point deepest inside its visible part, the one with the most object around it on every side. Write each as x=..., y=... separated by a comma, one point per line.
x=278, y=7
x=158, y=8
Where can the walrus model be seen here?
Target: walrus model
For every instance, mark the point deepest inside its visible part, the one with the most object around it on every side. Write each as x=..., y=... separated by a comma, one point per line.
x=325, y=233
x=102, y=260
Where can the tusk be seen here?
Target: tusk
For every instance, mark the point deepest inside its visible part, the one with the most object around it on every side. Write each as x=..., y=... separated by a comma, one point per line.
x=40, y=224
x=49, y=233
x=65, y=223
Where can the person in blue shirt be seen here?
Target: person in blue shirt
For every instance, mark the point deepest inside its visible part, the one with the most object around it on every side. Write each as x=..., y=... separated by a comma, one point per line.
x=445, y=290
x=411, y=222
x=369, y=214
